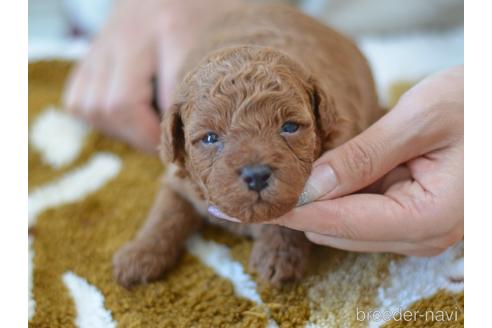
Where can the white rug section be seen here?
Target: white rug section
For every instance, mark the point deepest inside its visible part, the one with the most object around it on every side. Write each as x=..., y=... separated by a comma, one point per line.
x=218, y=257
x=416, y=278
x=74, y=185
x=411, y=57
x=30, y=267
x=57, y=48
x=393, y=57
x=370, y=17
x=89, y=303
x=58, y=137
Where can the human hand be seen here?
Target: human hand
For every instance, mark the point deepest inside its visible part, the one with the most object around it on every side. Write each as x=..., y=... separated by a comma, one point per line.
x=408, y=167
x=111, y=87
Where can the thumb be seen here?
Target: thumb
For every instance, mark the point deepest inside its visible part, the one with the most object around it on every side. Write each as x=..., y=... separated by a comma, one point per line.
x=360, y=161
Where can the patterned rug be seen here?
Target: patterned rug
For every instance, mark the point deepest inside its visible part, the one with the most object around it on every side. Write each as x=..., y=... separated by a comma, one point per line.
x=89, y=194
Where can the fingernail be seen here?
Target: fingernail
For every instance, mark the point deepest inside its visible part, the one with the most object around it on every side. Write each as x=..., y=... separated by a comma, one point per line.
x=321, y=181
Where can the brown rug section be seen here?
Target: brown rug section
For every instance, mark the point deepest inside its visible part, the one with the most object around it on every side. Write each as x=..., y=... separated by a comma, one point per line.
x=83, y=236
x=434, y=311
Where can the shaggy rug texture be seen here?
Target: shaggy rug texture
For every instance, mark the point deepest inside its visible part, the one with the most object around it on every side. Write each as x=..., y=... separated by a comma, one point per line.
x=88, y=194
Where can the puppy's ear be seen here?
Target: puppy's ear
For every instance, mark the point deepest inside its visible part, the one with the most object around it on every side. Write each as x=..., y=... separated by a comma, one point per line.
x=333, y=128
x=172, y=138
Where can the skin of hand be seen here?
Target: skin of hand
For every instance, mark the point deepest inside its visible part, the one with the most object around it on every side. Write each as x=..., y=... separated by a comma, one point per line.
x=111, y=87
x=398, y=186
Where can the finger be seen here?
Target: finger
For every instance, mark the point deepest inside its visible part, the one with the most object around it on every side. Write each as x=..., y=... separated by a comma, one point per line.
x=362, y=160
x=126, y=89
x=129, y=99
x=367, y=217
x=398, y=174
x=95, y=95
x=75, y=89
x=404, y=248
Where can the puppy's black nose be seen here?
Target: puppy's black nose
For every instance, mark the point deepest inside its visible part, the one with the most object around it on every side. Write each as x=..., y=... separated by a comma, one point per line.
x=256, y=176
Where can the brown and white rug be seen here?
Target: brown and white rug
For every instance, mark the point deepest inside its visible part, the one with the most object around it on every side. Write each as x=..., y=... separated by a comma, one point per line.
x=88, y=195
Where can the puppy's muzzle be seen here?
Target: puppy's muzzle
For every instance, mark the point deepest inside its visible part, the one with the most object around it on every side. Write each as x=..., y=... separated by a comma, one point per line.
x=256, y=176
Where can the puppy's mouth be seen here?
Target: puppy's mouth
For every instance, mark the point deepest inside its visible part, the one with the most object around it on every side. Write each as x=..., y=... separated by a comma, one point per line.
x=252, y=207
x=215, y=211
x=219, y=213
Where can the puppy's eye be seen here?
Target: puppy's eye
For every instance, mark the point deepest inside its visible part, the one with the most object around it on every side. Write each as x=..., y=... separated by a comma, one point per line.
x=289, y=127
x=210, y=138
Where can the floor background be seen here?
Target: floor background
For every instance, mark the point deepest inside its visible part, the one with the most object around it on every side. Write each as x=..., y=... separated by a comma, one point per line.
x=404, y=42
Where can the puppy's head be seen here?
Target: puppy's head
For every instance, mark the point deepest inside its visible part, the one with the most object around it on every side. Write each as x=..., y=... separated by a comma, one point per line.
x=245, y=127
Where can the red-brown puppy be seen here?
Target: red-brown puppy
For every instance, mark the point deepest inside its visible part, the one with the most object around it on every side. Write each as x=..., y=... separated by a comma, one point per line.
x=266, y=91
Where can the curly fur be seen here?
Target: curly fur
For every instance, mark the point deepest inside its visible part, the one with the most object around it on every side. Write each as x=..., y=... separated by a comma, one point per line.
x=254, y=70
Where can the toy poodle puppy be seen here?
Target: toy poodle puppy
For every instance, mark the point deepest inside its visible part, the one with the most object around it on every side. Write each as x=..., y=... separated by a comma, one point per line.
x=265, y=92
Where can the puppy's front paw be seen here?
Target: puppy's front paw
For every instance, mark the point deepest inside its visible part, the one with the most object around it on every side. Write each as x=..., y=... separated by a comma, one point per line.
x=278, y=264
x=139, y=262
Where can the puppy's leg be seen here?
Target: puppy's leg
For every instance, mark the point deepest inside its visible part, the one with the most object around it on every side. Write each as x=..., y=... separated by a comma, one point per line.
x=159, y=242
x=279, y=254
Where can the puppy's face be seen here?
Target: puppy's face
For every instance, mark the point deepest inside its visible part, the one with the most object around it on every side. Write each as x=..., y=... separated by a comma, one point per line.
x=245, y=130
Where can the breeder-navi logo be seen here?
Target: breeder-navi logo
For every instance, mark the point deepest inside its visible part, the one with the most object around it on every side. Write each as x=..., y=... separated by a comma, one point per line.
x=406, y=315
